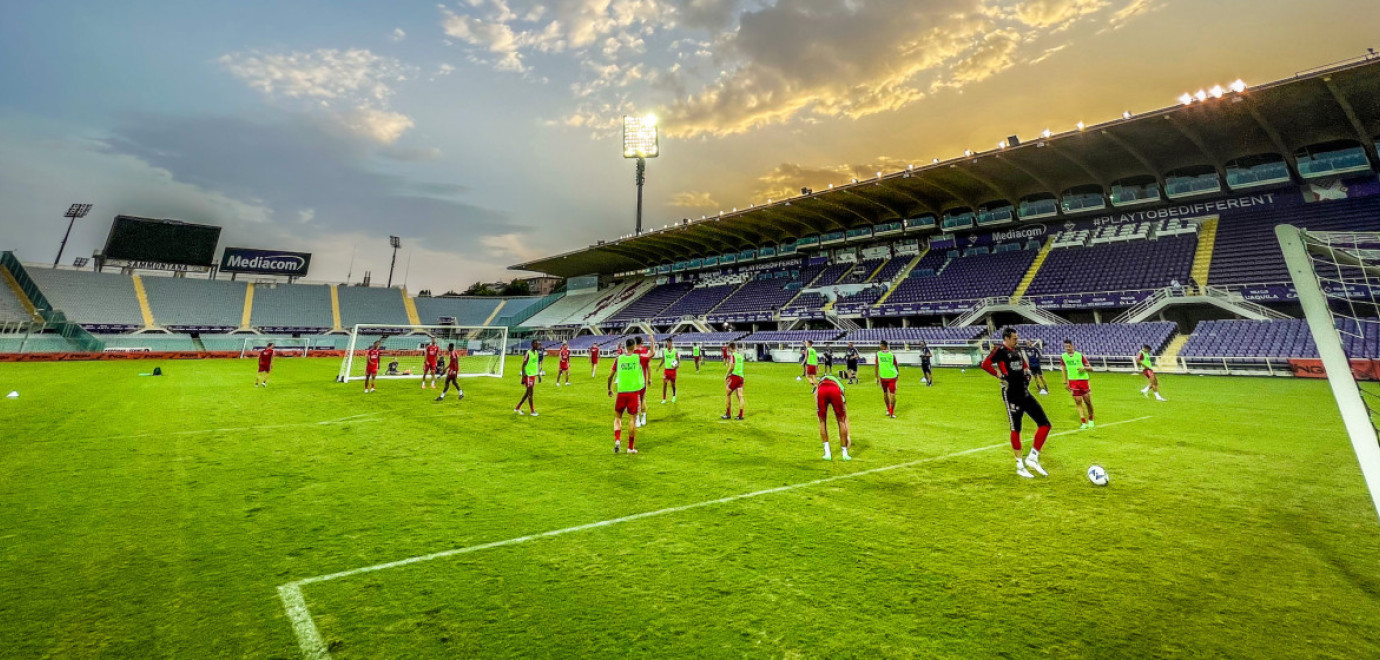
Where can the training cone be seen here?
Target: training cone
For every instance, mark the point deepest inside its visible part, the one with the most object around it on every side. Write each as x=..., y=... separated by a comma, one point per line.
x=12, y=395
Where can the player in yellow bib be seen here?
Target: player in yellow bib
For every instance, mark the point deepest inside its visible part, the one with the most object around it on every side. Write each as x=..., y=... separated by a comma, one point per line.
x=887, y=374
x=811, y=363
x=695, y=352
x=1147, y=369
x=531, y=366
x=631, y=381
x=734, y=381
x=669, y=363
x=1076, y=371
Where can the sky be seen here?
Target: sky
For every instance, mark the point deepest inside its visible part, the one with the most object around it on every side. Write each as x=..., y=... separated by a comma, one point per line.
x=487, y=132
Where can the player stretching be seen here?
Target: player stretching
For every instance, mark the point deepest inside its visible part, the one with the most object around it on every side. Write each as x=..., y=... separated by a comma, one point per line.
x=811, y=363
x=1076, y=370
x=371, y=366
x=1035, y=358
x=452, y=375
x=695, y=352
x=265, y=365
x=593, y=360
x=829, y=394
x=565, y=364
x=851, y=359
x=734, y=380
x=886, y=374
x=1148, y=370
x=1009, y=366
x=925, y=356
x=531, y=363
x=627, y=370
x=429, y=367
x=669, y=363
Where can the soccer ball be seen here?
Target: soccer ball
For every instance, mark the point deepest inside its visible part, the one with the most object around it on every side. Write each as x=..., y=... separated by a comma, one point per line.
x=1098, y=476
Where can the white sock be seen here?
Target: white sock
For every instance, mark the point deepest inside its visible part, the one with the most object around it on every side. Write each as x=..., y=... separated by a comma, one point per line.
x=1034, y=454
x=1020, y=464
x=844, y=450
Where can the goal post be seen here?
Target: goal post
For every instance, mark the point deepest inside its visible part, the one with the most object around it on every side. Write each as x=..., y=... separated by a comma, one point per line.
x=481, y=349
x=282, y=346
x=1328, y=268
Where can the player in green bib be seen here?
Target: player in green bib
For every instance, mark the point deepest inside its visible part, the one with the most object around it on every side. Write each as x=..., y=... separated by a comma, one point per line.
x=887, y=374
x=811, y=363
x=1076, y=374
x=531, y=366
x=696, y=353
x=734, y=381
x=1147, y=369
x=627, y=374
x=669, y=363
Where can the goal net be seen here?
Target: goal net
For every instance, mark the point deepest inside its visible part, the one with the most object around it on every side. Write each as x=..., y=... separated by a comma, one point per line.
x=282, y=347
x=1337, y=277
x=404, y=349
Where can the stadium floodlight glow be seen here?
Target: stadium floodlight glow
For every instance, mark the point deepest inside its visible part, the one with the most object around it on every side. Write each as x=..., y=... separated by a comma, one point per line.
x=1217, y=91
x=1046, y=133
x=1186, y=99
x=1201, y=95
x=1238, y=86
x=1126, y=114
x=1081, y=126
x=934, y=162
x=967, y=152
x=640, y=142
x=879, y=175
x=1001, y=145
x=73, y=212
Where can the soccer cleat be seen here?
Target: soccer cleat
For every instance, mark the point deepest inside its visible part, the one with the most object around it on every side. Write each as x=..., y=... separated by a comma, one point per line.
x=631, y=450
x=1044, y=392
x=1021, y=471
x=892, y=415
x=440, y=398
x=740, y=417
x=615, y=446
x=828, y=457
x=846, y=457
x=663, y=402
x=1092, y=424
x=459, y=396
x=1159, y=398
x=534, y=413
x=673, y=399
x=1083, y=426
x=519, y=411
x=725, y=417
x=1034, y=464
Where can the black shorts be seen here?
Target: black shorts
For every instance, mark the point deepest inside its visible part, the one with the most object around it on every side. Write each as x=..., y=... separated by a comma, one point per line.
x=1020, y=404
x=1036, y=369
x=925, y=365
x=852, y=365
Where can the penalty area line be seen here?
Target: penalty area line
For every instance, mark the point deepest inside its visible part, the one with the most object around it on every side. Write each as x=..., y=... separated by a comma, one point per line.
x=313, y=647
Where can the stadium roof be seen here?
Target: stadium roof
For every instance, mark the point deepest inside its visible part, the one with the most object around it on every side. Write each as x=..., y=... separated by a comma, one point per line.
x=1337, y=103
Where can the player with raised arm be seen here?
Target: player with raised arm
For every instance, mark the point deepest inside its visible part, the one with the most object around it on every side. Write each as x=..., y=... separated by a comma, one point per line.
x=925, y=356
x=695, y=352
x=593, y=360
x=1076, y=370
x=565, y=364
x=669, y=363
x=1006, y=363
x=531, y=363
x=452, y=374
x=371, y=366
x=811, y=363
x=829, y=394
x=644, y=352
x=733, y=379
x=1034, y=355
x=429, y=367
x=851, y=360
x=627, y=372
x=1147, y=369
x=265, y=365
x=886, y=374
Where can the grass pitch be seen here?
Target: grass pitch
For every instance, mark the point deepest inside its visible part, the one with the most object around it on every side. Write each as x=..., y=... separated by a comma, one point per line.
x=156, y=517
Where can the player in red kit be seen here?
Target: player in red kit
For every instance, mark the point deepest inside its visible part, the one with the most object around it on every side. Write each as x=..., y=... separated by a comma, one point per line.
x=626, y=375
x=452, y=374
x=593, y=360
x=644, y=357
x=1010, y=367
x=829, y=395
x=371, y=366
x=429, y=366
x=565, y=364
x=265, y=365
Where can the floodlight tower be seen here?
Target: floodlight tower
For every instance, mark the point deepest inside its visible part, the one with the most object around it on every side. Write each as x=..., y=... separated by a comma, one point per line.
x=396, y=243
x=640, y=142
x=73, y=212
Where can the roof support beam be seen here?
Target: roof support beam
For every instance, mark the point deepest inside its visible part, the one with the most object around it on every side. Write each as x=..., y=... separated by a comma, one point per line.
x=1197, y=140
x=900, y=213
x=1044, y=183
x=1153, y=169
x=1093, y=176
x=641, y=258
x=836, y=202
x=982, y=180
x=1275, y=138
x=1367, y=140
x=788, y=225
x=962, y=199
x=924, y=204
x=822, y=222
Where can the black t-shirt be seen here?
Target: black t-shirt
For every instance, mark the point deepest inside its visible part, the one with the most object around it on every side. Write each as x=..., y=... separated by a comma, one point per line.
x=1008, y=365
x=1034, y=354
x=925, y=356
x=852, y=356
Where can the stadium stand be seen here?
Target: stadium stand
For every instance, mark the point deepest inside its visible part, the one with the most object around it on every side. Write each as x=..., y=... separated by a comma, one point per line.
x=371, y=305
x=1100, y=339
x=765, y=294
x=891, y=269
x=697, y=302
x=100, y=301
x=589, y=308
x=195, y=305
x=1124, y=265
x=707, y=339
x=465, y=311
x=292, y=308
x=964, y=278
x=862, y=272
x=792, y=336
x=1287, y=338
x=11, y=309
x=156, y=341
x=934, y=335
x=1247, y=251
x=652, y=304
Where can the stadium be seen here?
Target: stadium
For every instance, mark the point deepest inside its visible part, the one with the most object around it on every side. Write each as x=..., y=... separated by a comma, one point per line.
x=1230, y=517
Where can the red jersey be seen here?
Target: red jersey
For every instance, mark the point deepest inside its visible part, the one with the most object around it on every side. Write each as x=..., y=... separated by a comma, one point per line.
x=265, y=359
x=565, y=355
x=644, y=355
x=594, y=351
x=374, y=354
x=432, y=350
x=725, y=353
x=453, y=366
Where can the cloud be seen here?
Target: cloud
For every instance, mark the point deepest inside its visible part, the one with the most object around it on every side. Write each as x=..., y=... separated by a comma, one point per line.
x=694, y=200
x=1055, y=13
x=410, y=154
x=306, y=215
x=352, y=87
x=1133, y=10
x=787, y=179
x=397, y=35
x=510, y=247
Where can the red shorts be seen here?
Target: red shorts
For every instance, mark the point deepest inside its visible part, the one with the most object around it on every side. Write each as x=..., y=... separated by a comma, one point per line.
x=670, y=375
x=889, y=385
x=371, y=370
x=565, y=365
x=1080, y=387
x=529, y=381
x=1147, y=372
x=811, y=369
x=735, y=383
x=830, y=396
x=594, y=359
x=265, y=368
x=452, y=374
x=626, y=401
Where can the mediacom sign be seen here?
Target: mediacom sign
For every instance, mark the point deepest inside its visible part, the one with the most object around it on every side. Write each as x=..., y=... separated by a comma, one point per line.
x=265, y=262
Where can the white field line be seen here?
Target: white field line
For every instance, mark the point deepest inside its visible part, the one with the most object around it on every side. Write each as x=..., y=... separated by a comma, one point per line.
x=314, y=647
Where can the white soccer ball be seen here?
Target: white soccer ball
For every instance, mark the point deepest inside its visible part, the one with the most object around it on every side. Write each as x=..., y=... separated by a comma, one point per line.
x=1098, y=476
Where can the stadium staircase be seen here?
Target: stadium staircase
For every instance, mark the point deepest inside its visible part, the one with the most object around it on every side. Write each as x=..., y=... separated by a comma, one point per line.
x=901, y=276
x=144, y=309
x=77, y=337
x=730, y=295
x=1169, y=358
x=411, y=307
x=1202, y=258
x=875, y=271
x=805, y=286
x=246, y=318
x=335, y=310
x=494, y=314
x=1034, y=270
x=20, y=295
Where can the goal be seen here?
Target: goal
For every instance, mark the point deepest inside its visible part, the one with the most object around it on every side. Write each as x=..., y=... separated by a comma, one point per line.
x=481, y=349
x=1337, y=277
x=282, y=347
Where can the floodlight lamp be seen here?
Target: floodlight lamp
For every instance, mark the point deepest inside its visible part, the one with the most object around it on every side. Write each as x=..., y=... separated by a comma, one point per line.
x=831, y=186
x=1126, y=114
x=1081, y=126
x=640, y=137
x=911, y=166
x=935, y=161
x=967, y=152
x=1047, y=133
x=1217, y=91
x=879, y=175
x=1001, y=145
x=395, y=242
x=855, y=180
x=1238, y=86
x=77, y=211
x=1186, y=99
x=1201, y=95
